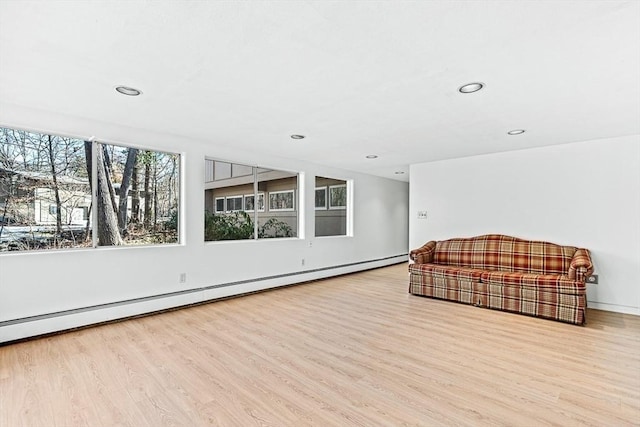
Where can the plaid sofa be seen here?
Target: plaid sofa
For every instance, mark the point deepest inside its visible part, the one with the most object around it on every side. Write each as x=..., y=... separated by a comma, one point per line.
x=505, y=273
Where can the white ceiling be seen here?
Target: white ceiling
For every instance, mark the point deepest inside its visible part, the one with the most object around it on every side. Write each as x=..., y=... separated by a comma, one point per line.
x=355, y=77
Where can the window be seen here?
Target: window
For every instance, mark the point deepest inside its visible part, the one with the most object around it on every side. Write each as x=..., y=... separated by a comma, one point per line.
x=331, y=215
x=46, y=184
x=338, y=196
x=281, y=216
x=321, y=198
x=220, y=205
x=145, y=186
x=266, y=209
x=226, y=216
x=281, y=200
x=234, y=203
x=249, y=202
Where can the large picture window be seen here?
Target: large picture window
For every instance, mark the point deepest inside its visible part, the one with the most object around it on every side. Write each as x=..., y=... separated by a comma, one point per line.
x=137, y=195
x=53, y=187
x=267, y=208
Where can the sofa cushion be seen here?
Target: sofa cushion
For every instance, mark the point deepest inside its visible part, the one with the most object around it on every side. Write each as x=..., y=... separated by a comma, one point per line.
x=543, y=282
x=505, y=253
x=436, y=270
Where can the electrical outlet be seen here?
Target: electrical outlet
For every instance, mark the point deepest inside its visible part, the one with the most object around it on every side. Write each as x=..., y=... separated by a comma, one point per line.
x=593, y=279
x=422, y=214
x=183, y=277
x=303, y=262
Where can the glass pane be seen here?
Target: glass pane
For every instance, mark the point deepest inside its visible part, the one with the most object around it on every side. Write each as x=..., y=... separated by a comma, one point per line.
x=280, y=218
x=229, y=202
x=137, y=196
x=221, y=170
x=234, y=204
x=249, y=202
x=220, y=205
x=331, y=217
x=321, y=198
x=337, y=197
x=45, y=194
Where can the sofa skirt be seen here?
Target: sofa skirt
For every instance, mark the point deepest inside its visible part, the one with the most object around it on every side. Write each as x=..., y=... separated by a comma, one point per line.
x=539, y=301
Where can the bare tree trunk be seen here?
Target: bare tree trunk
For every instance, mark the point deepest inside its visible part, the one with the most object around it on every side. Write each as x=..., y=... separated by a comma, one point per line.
x=155, y=194
x=56, y=190
x=135, y=195
x=124, y=189
x=88, y=149
x=10, y=191
x=87, y=227
x=108, y=169
x=108, y=234
x=147, y=193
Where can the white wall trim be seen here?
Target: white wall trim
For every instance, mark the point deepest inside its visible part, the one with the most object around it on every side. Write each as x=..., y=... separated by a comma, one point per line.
x=16, y=329
x=613, y=307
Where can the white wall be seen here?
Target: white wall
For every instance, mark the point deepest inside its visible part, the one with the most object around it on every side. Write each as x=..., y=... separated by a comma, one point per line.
x=583, y=194
x=35, y=284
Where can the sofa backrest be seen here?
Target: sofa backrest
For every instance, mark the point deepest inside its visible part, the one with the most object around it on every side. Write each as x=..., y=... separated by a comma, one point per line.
x=505, y=253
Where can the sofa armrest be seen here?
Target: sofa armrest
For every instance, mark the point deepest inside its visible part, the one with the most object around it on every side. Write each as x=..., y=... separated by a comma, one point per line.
x=423, y=254
x=581, y=266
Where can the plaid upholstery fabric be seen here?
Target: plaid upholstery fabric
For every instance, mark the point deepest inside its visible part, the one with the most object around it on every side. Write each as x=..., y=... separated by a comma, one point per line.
x=460, y=273
x=539, y=302
x=505, y=273
x=505, y=253
x=443, y=287
x=549, y=282
x=581, y=266
x=423, y=254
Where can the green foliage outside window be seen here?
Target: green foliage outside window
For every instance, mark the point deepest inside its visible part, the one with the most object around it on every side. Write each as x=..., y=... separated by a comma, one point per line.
x=239, y=226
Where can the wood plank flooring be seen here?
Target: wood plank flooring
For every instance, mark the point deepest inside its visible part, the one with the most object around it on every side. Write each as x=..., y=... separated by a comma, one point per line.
x=355, y=350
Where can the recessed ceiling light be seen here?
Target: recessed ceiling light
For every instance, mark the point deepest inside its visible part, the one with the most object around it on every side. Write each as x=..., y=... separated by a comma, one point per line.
x=516, y=132
x=297, y=136
x=372, y=156
x=470, y=87
x=399, y=173
x=129, y=91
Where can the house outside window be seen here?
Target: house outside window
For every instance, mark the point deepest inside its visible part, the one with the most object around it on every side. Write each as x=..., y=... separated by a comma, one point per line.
x=239, y=186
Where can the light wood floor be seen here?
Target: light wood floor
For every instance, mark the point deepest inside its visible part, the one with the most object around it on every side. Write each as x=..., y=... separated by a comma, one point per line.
x=353, y=350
